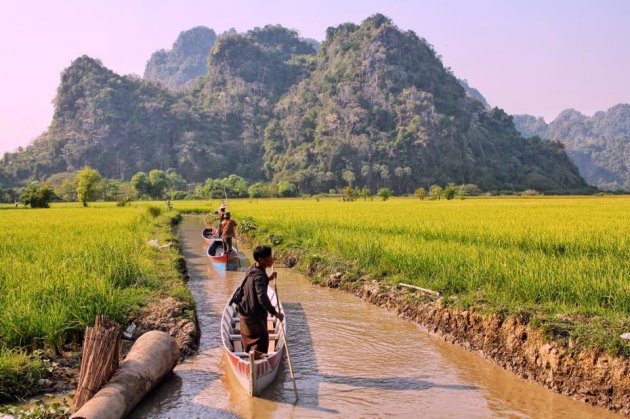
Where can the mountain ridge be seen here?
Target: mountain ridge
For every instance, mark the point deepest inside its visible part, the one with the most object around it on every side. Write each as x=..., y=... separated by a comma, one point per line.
x=599, y=145
x=374, y=101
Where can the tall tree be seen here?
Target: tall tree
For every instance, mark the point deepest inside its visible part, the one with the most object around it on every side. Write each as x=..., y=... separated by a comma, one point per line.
x=87, y=180
x=159, y=183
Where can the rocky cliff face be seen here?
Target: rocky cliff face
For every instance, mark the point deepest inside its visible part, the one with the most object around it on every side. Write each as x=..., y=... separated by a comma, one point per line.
x=187, y=60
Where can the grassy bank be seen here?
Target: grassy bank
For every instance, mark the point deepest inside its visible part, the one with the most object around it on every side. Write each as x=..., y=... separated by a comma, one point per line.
x=564, y=263
x=62, y=266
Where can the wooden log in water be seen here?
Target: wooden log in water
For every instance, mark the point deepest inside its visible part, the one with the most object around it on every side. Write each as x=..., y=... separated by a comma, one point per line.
x=152, y=357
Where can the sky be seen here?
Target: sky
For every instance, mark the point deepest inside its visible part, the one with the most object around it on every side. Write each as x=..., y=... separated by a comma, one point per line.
x=525, y=56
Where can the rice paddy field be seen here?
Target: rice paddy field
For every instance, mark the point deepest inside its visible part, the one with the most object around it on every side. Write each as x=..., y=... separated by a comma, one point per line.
x=560, y=256
x=62, y=266
x=551, y=256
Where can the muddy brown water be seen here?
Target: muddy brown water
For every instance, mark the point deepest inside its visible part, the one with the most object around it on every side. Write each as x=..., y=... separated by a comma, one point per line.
x=351, y=359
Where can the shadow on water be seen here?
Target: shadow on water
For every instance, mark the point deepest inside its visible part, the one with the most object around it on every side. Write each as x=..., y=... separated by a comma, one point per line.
x=300, y=343
x=392, y=383
x=309, y=378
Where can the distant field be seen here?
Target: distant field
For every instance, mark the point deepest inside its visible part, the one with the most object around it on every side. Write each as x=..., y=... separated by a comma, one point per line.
x=556, y=255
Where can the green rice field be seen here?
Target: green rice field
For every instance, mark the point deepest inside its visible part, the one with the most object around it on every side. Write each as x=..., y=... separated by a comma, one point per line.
x=561, y=256
x=62, y=266
x=549, y=254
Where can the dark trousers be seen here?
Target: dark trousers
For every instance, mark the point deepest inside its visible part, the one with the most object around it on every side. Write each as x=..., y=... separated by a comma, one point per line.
x=254, y=334
x=227, y=244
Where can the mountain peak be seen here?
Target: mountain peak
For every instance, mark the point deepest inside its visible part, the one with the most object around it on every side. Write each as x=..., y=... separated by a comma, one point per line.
x=185, y=61
x=377, y=21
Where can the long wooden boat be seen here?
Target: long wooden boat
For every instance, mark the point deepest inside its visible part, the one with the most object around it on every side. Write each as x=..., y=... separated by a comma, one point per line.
x=253, y=374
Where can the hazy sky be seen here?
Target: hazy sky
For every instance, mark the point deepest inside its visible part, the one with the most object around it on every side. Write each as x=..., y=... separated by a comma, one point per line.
x=530, y=56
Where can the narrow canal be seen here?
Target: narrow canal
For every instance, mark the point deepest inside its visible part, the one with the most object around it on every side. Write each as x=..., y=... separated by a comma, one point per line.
x=351, y=359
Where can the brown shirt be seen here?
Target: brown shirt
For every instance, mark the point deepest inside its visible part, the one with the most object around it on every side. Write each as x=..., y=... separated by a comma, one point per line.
x=228, y=229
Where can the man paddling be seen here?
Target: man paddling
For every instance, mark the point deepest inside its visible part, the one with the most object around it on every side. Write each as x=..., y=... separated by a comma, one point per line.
x=255, y=304
x=228, y=232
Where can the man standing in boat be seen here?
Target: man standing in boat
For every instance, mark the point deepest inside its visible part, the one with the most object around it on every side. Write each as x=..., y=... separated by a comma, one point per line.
x=228, y=232
x=255, y=304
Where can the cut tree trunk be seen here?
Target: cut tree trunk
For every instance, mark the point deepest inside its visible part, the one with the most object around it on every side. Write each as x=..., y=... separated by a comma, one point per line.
x=152, y=357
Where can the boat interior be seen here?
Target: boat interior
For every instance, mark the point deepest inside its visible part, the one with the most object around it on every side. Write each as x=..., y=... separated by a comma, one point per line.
x=216, y=249
x=232, y=334
x=209, y=233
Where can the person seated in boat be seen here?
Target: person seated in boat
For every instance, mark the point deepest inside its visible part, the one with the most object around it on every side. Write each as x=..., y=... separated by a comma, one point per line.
x=255, y=303
x=228, y=232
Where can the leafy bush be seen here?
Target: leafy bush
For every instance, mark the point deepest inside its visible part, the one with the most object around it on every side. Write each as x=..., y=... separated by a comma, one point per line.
x=37, y=195
x=154, y=211
x=287, y=190
x=449, y=191
x=420, y=193
x=384, y=193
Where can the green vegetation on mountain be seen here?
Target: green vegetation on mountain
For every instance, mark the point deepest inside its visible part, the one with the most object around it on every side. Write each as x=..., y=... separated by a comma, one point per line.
x=185, y=61
x=599, y=145
x=381, y=105
x=374, y=107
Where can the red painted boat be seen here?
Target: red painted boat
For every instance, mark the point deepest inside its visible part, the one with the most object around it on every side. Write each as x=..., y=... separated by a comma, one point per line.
x=253, y=374
x=216, y=254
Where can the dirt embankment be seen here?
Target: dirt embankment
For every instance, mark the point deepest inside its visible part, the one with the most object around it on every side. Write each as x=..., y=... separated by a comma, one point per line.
x=593, y=377
x=168, y=315
x=165, y=314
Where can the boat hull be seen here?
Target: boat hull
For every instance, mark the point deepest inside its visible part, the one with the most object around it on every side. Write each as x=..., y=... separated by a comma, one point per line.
x=217, y=257
x=264, y=369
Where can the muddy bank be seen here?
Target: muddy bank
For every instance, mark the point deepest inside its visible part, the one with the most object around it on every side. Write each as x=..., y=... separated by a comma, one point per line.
x=593, y=377
x=168, y=315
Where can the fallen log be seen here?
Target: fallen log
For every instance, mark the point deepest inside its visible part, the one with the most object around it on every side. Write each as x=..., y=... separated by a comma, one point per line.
x=152, y=357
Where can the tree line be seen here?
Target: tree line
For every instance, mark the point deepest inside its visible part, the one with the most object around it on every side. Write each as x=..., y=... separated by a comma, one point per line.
x=88, y=185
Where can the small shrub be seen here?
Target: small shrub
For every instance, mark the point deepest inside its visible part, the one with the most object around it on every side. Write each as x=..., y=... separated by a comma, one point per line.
x=449, y=192
x=287, y=190
x=247, y=224
x=37, y=195
x=154, y=211
x=384, y=193
x=420, y=193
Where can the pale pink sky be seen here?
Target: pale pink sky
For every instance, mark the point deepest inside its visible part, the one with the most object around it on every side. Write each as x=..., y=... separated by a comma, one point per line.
x=531, y=56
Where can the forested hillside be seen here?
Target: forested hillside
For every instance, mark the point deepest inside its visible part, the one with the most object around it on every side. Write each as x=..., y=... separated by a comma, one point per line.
x=373, y=107
x=599, y=145
x=381, y=106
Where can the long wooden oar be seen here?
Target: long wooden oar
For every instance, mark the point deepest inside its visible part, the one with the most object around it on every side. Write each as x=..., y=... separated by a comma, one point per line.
x=286, y=342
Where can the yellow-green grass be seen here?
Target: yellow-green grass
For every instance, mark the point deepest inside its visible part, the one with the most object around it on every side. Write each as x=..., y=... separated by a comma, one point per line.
x=60, y=267
x=18, y=373
x=555, y=256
